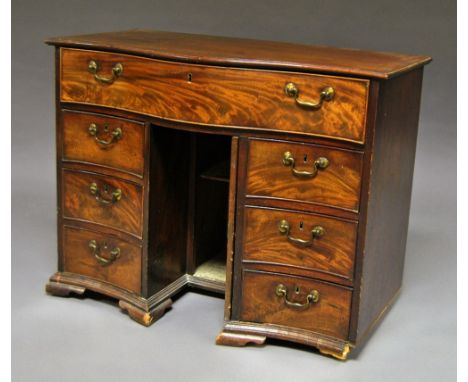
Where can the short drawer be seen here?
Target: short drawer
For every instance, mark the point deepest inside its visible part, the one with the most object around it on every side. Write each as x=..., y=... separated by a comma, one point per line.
x=103, y=200
x=107, y=141
x=299, y=103
x=304, y=172
x=299, y=240
x=102, y=257
x=295, y=302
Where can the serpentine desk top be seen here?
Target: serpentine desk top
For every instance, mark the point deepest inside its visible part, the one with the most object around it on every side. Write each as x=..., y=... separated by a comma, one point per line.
x=228, y=51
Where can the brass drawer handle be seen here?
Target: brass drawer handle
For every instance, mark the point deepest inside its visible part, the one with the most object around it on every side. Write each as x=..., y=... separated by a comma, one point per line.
x=115, y=136
x=312, y=297
x=327, y=94
x=95, y=250
x=320, y=163
x=117, y=71
x=285, y=229
x=116, y=195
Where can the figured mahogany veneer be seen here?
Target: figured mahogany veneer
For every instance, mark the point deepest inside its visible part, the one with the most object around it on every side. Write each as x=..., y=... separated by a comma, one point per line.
x=279, y=174
x=338, y=185
x=329, y=315
x=217, y=96
x=79, y=258
x=126, y=153
x=125, y=214
x=333, y=253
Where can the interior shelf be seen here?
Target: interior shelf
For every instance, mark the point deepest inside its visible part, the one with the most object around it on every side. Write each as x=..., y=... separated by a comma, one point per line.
x=218, y=172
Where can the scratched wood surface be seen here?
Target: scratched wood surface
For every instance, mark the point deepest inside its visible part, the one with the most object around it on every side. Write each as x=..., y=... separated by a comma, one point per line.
x=333, y=253
x=329, y=316
x=78, y=202
x=217, y=96
x=127, y=153
x=124, y=272
x=337, y=185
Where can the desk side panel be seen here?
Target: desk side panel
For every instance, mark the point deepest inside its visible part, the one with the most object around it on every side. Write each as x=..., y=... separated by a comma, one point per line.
x=391, y=176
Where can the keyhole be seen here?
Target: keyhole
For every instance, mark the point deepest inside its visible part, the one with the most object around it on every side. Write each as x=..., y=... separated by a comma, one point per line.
x=305, y=158
x=297, y=290
x=301, y=226
x=106, y=188
x=189, y=77
x=105, y=245
x=106, y=128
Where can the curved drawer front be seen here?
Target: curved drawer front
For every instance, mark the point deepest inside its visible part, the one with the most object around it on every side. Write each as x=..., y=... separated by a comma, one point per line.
x=300, y=240
x=216, y=95
x=102, y=257
x=103, y=200
x=103, y=140
x=283, y=300
x=337, y=184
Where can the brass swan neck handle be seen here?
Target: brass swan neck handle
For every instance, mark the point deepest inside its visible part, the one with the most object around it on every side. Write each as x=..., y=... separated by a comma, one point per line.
x=117, y=70
x=327, y=94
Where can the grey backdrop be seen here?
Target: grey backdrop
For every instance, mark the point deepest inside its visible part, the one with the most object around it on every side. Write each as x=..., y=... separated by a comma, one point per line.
x=56, y=339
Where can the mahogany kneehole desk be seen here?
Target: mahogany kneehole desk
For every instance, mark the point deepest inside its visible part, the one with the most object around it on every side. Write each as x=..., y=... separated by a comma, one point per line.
x=277, y=174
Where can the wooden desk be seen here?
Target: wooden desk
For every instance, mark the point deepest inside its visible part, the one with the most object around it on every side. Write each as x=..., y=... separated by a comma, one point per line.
x=278, y=174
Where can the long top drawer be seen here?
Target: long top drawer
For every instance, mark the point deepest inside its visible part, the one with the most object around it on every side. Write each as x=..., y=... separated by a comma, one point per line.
x=296, y=103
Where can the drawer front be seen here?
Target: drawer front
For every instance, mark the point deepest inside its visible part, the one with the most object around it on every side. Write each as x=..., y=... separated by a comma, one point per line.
x=107, y=141
x=283, y=300
x=103, y=200
x=102, y=257
x=271, y=175
x=215, y=95
x=300, y=240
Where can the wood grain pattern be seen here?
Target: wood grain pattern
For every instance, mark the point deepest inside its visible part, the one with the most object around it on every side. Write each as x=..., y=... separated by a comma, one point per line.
x=303, y=206
x=124, y=272
x=217, y=96
x=179, y=86
x=231, y=229
x=329, y=316
x=228, y=51
x=188, y=127
x=374, y=93
x=169, y=189
x=332, y=254
x=337, y=185
x=236, y=277
x=292, y=270
x=78, y=203
x=126, y=154
x=390, y=187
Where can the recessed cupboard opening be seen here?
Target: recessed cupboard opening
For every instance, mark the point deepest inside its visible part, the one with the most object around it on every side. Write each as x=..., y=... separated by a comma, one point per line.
x=189, y=194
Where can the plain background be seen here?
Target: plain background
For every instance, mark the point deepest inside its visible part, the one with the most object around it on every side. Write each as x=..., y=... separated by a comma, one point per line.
x=90, y=339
